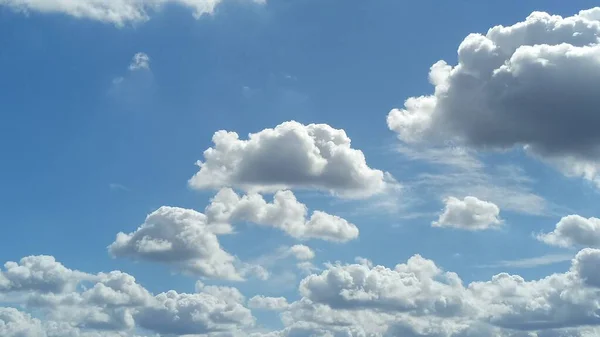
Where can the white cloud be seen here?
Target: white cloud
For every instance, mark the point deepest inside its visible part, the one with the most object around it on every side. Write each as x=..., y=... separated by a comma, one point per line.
x=291, y=155
x=527, y=85
x=40, y=273
x=268, y=303
x=175, y=313
x=117, y=12
x=532, y=262
x=181, y=237
x=419, y=299
x=140, y=61
x=114, y=304
x=574, y=230
x=285, y=213
x=469, y=213
x=14, y=323
x=302, y=252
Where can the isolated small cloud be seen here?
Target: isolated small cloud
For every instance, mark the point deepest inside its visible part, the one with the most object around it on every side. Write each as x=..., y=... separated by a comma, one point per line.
x=140, y=61
x=572, y=231
x=469, y=214
x=289, y=156
x=302, y=252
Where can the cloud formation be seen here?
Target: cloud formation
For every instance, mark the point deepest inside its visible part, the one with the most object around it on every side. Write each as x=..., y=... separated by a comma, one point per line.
x=289, y=156
x=572, y=231
x=285, y=213
x=528, y=85
x=117, y=12
x=114, y=304
x=470, y=214
x=178, y=236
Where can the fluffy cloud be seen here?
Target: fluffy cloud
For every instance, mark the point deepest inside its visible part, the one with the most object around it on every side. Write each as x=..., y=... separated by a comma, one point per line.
x=419, y=299
x=530, y=85
x=118, y=12
x=113, y=304
x=201, y=313
x=469, y=213
x=574, y=230
x=419, y=286
x=291, y=155
x=302, y=252
x=268, y=303
x=14, y=323
x=285, y=213
x=178, y=236
x=39, y=273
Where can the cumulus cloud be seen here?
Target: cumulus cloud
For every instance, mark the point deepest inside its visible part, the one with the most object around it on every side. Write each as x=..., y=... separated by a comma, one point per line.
x=529, y=85
x=291, y=155
x=117, y=12
x=285, y=213
x=114, y=304
x=174, y=313
x=178, y=236
x=268, y=303
x=14, y=323
x=469, y=213
x=302, y=252
x=419, y=299
x=40, y=273
x=574, y=230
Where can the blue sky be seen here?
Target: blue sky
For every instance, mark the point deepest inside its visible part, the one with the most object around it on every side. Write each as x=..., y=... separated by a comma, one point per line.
x=95, y=139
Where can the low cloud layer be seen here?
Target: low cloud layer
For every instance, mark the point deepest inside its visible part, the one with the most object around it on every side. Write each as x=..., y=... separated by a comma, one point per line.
x=529, y=85
x=289, y=156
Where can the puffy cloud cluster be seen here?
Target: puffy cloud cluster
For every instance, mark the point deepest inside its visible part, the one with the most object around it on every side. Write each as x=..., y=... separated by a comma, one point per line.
x=574, y=230
x=188, y=239
x=469, y=213
x=531, y=84
x=182, y=237
x=291, y=155
x=285, y=213
x=114, y=304
x=117, y=12
x=268, y=303
x=419, y=299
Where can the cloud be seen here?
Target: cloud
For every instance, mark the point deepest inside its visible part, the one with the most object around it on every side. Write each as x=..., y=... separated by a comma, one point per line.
x=14, y=323
x=285, y=213
x=418, y=298
x=140, y=61
x=532, y=261
x=469, y=213
x=117, y=12
x=268, y=303
x=574, y=230
x=529, y=85
x=40, y=273
x=114, y=304
x=181, y=237
x=289, y=156
x=302, y=252
x=201, y=313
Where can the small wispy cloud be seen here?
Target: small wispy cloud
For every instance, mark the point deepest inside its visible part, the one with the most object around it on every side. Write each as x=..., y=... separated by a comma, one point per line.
x=118, y=187
x=531, y=262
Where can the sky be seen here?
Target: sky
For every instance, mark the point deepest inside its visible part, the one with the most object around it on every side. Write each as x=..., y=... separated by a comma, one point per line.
x=248, y=168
